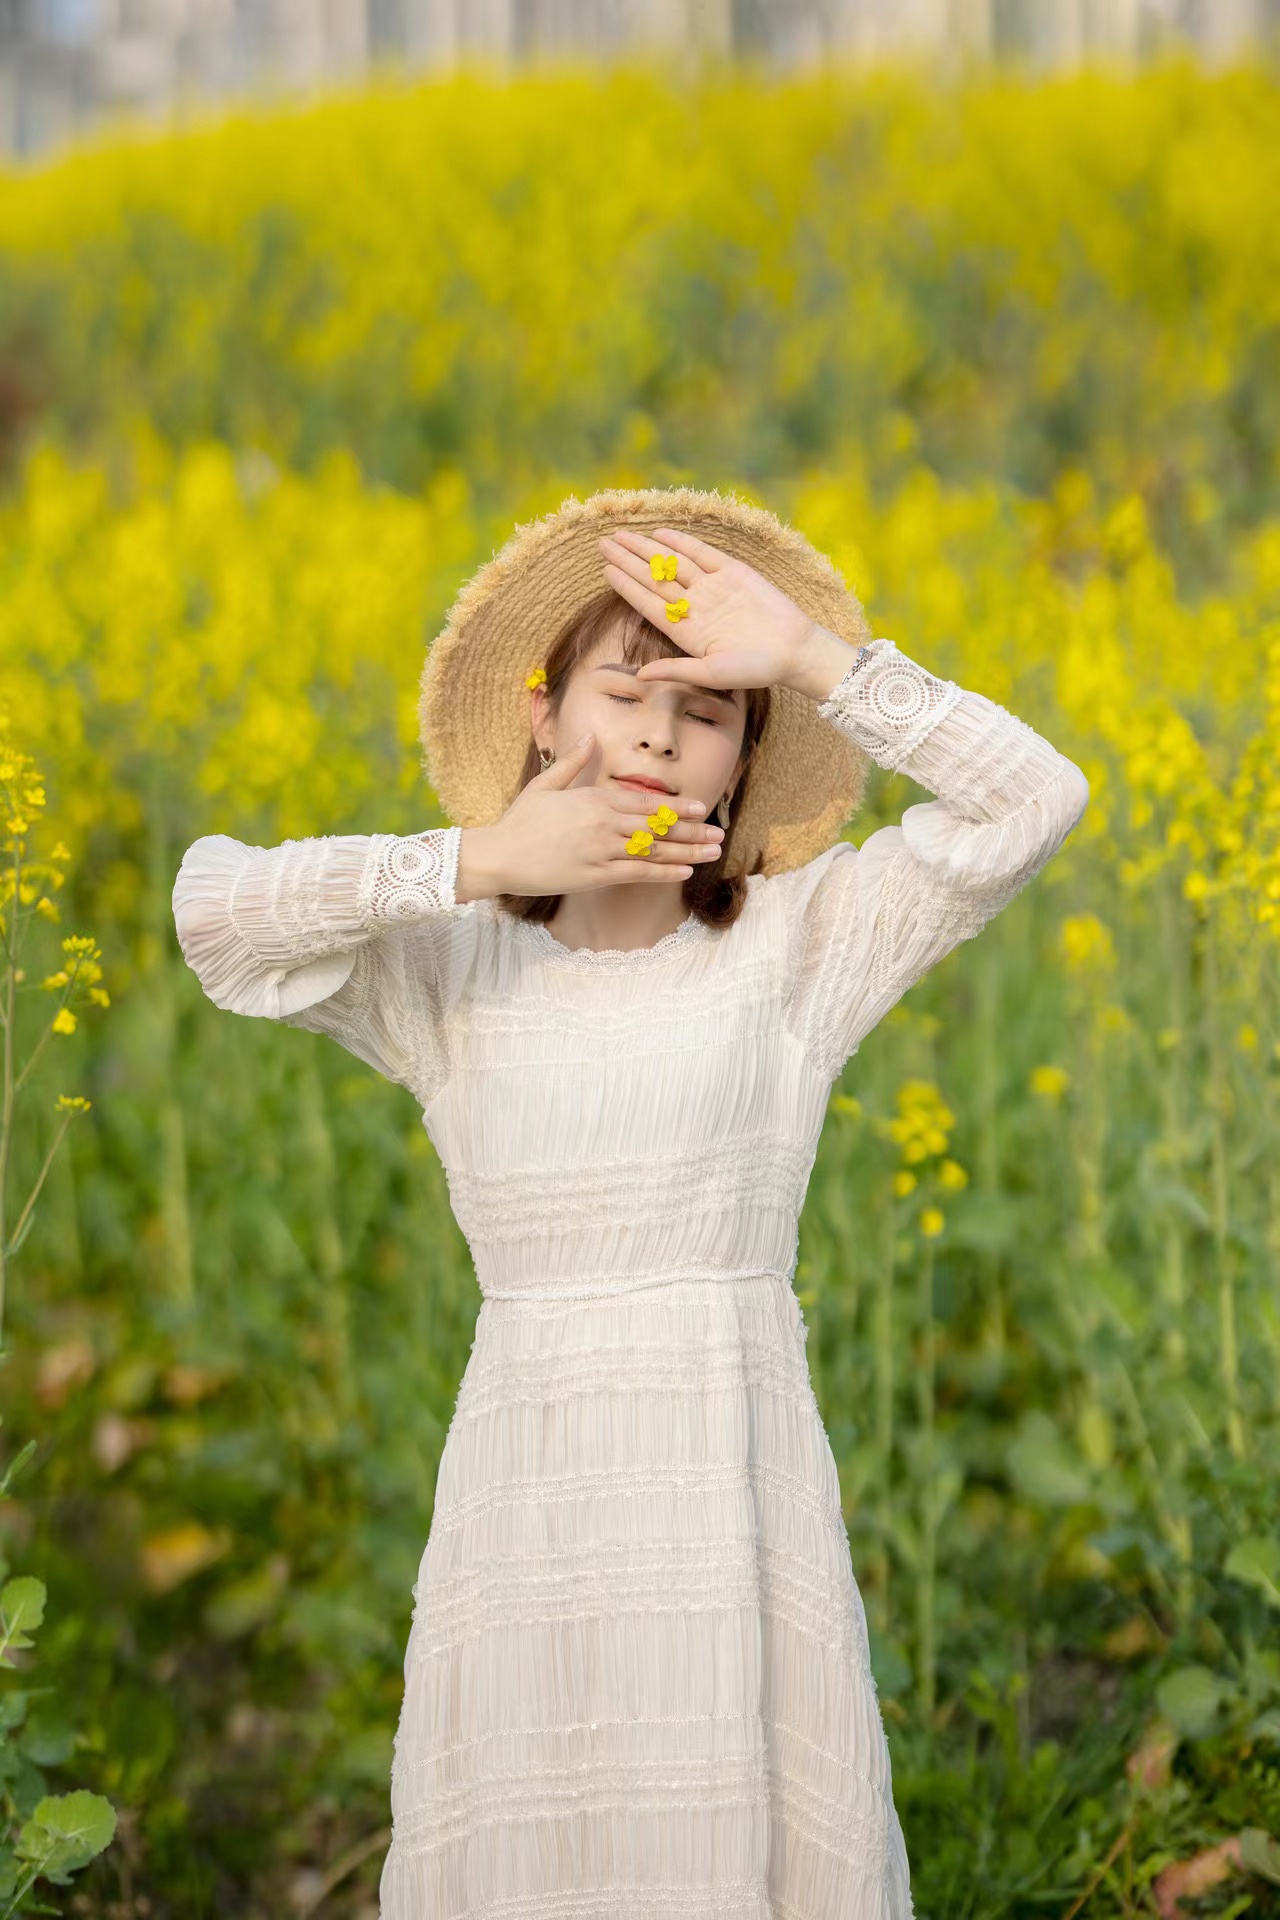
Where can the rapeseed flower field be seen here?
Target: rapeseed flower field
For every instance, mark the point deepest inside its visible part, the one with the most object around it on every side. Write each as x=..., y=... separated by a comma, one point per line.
x=270, y=390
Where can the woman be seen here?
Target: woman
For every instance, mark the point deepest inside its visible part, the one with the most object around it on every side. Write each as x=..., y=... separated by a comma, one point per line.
x=637, y=1680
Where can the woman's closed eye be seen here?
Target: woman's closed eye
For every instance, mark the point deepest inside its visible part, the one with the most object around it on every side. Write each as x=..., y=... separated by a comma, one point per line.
x=629, y=699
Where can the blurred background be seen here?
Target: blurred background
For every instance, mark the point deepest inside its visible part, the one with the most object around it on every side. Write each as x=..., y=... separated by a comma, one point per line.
x=303, y=307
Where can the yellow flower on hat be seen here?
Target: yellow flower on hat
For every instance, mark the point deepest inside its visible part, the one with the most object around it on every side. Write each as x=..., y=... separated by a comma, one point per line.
x=537, y=677
x=677, y=609
x=640, y=841
x=663, y=818
x=663, y=565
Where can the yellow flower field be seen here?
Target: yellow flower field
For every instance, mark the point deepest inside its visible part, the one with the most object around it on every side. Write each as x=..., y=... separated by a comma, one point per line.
x=270, y=390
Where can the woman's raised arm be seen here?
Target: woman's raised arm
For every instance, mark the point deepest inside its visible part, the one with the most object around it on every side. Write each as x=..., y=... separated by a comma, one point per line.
x=339, y=934
x=868, y=922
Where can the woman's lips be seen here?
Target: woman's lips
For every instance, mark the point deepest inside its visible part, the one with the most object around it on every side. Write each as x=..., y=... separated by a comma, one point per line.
x=644, y=786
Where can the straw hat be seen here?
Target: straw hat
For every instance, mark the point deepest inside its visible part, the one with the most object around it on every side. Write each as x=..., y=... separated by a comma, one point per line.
x=807, y=777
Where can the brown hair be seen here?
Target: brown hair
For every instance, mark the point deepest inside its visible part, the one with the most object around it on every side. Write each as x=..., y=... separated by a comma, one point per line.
x=716, y=898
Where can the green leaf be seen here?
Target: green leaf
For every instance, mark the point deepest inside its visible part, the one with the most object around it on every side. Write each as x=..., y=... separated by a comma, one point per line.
x=1044, y=1468
x=1192, y=1698
x=21, y=1608
x=1256, y=1562
x=47, y=1738
x=13, y=1710
x=244, y=1604
x=66, y=1831
x=1260, y=1854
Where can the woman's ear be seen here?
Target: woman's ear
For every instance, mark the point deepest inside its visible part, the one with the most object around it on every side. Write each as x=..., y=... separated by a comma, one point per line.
x=538, y=715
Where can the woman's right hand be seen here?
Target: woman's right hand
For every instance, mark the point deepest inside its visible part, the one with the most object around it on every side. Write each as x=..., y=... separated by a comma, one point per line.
x=558, y=838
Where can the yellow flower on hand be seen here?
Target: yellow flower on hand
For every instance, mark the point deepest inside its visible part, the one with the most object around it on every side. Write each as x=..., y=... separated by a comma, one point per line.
x=640, y=841
x=663, y=818
x=677, y=609
x=537, y=677
x=663, y=565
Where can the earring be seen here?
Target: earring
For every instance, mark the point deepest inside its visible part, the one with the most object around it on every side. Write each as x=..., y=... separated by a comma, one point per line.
x=722, y=811
x=547, y=759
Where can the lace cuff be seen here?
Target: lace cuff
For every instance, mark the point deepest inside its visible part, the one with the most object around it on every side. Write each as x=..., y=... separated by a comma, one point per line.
x=409, y=876
x=888, y=704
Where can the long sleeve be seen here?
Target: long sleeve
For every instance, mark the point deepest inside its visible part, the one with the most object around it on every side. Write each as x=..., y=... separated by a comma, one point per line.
x=866, y=923
x=341, y=934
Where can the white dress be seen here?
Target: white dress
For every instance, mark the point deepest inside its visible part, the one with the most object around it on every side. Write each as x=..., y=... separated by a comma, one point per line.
x=637, y=1681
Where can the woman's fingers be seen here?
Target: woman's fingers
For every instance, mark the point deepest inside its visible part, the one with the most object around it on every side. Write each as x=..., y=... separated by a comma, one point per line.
x=678, y=860
x=636, y=567
x=646, y=599
x=634, y=552
x=688, y=827
x=709, y=558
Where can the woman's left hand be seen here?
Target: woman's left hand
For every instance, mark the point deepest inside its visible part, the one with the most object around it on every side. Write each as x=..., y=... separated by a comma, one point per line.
x=740, y=629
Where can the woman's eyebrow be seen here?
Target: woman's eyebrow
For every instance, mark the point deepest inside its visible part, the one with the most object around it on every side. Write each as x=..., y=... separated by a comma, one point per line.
x=621, y=666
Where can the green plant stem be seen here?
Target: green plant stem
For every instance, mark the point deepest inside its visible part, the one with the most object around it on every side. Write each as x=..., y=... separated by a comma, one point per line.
x=926, y=1570
x=1173, y=1264
x=1173, y=1092
x=1220, y=1209
x=988, y=1152
x=6, y=1114
x=34, y=1194
x=882, y=1346
x=329, y=1254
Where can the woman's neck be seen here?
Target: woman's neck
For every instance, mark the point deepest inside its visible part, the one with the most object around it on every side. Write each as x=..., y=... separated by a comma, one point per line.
x=620, y=918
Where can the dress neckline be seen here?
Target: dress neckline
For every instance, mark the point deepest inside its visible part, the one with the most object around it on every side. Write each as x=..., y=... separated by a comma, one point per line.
x=614, y=959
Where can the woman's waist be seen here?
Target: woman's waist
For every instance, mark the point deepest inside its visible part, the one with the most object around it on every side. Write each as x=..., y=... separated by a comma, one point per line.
x=608, y=1257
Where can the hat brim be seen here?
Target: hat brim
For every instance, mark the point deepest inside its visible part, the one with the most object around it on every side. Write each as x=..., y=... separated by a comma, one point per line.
x=807, y=778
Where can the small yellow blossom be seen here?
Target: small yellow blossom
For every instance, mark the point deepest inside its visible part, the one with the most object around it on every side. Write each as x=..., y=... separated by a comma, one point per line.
x=1086, y=944
x=640, y=841
x=1049, y=1082
x=64, y=1021
x=52, y=980
x=45, y=906
x=846, y=1103
x=663, y=565
x=952, y=1176
x=99, y=996
x=904, y=1183
x=1247, y=1038
x=932, y=1221
x=72, y=1103
x=537, y=677
x=61, y=851
x=677, y=609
